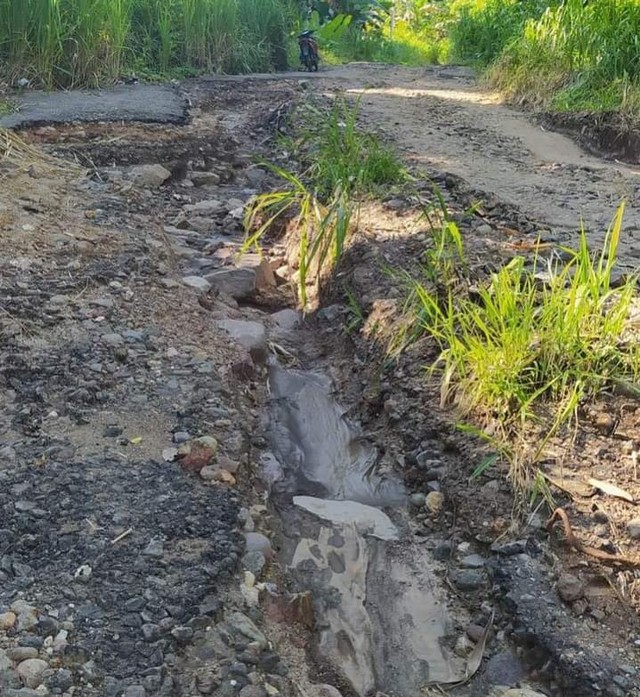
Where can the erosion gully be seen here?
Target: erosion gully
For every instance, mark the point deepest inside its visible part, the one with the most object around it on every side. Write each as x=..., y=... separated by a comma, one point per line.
x=127, y=574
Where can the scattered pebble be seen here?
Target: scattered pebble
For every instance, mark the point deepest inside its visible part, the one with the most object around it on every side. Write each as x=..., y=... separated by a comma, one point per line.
x=570, y=588
x=472, y=561
x=417, y=500
x=468, y=579
x=633, y=528
x=197, y=283
x=154, y=549
x=257, y=542
x=434, y=502
x=7, y=620
x=22, y=653
x=254, y=562
x=5, y=661
x=475, y=632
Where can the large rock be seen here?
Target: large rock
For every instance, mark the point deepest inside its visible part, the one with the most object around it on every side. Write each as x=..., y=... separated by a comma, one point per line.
x=367, y=519
x=256, y=176
x=5, y=661
x=204, y=178
x=570, y=587
x=502, y=691
x=241, y=624
x=7, y=620
x=322, y=691
x=201, y=224
x=199, y=454
x=257, y=542
x=149, y=176
x=242, y=282
x=253, y=691
x=285, y=320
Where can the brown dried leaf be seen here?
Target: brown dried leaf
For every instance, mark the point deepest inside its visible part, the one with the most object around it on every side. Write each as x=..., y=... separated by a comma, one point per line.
x=475, y=657
x=611, y=490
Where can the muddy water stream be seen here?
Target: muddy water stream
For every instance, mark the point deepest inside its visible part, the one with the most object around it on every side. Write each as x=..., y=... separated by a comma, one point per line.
x=381, y=613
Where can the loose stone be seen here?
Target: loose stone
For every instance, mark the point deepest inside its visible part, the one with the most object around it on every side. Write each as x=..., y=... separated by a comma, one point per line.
x=31, y=672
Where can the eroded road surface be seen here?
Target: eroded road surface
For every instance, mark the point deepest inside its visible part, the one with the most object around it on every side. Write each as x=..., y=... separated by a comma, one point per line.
x=171, y=527
x=441, y=117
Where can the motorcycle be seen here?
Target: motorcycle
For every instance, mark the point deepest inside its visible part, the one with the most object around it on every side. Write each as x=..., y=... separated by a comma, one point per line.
x=308, y=50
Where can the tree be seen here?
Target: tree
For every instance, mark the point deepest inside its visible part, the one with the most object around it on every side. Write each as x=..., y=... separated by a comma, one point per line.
x=361, y=11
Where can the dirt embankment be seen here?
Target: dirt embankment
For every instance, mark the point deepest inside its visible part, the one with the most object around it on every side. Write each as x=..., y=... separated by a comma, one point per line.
x=138, y=443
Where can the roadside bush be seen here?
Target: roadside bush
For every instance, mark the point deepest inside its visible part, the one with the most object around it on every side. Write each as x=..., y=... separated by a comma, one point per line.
x=568, y=56
x=400, y=45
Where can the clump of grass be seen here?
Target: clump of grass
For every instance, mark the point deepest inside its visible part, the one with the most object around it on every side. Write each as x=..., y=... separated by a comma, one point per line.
x=322, y=227
x=342, y=155
x=519, y=349
x=445, y=259
x=5, y=107
x=345, y=164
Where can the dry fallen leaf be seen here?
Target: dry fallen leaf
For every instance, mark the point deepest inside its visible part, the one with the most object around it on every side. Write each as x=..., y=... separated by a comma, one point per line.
x=475, y=657
x=566, y=481
x=611, y=490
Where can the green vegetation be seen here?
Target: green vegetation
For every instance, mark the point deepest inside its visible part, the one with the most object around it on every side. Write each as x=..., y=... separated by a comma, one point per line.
x=85, y=42
x=343, y=165
x=532, y=344
x=480, y=30
x=342, y=156
x=577, y=57
x=400, y=44
x=566, y=56
x=404, y=32
x=558, y=54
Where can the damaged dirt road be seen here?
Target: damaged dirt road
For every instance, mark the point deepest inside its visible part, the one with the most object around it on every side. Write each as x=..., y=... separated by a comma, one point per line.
x=186, y=504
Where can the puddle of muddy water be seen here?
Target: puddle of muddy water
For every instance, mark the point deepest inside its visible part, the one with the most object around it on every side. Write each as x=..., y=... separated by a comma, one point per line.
x=381, y=615
x=318, y=448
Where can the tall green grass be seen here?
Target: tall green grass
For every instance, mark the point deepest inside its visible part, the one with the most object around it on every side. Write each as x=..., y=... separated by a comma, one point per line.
x=577, y=57
x=85, y=42
x=480, y=30
x=562, y=55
